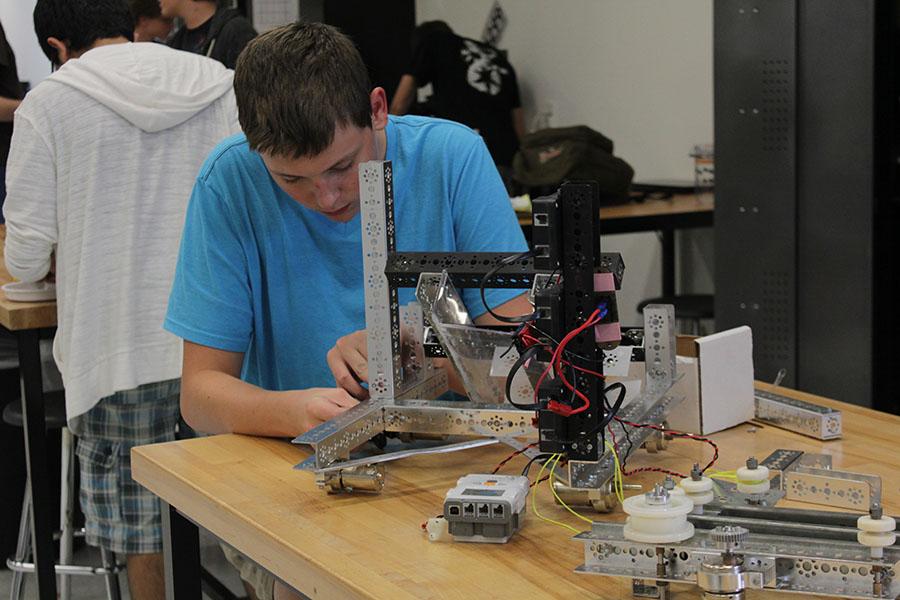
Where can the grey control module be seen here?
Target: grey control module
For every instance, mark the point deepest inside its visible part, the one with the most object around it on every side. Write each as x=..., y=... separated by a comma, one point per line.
x=486, y=508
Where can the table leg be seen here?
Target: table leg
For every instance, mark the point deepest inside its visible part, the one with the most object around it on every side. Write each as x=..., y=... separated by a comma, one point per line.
x=181, y=554
x=36, y=461
x=668, y=263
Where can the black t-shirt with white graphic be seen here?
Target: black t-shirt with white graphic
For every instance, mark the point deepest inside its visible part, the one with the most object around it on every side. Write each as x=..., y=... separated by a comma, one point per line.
x=9, y=88
x=473, y=84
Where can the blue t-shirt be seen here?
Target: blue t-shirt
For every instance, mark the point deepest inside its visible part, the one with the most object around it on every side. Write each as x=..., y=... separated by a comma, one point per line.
x=259, y=273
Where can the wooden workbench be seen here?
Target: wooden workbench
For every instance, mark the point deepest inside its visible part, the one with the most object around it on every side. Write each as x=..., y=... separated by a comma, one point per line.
x=244, y=490
x=25, y=320
x=673, y=207
x=15, y=316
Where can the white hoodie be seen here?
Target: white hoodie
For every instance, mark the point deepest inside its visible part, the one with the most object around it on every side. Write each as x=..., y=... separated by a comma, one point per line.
x=104, y=155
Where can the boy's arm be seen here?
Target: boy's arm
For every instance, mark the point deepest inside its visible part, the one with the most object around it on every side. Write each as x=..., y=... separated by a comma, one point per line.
x=7, y=107
x=215, y=400
x=403, y=95
x=348, y=359
x=30, y=207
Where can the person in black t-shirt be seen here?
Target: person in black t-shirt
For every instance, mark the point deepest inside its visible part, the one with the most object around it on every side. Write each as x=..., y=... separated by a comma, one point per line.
x=11, y=93
x=149, y=24
x=219, y=33
x=473, y=84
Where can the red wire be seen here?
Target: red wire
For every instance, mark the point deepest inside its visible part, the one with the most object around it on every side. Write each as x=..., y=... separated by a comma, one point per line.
x=655, y=470
x=583, y=370
x=557, y=356
x=674, y=433
x=555, y=362
x=513, y=455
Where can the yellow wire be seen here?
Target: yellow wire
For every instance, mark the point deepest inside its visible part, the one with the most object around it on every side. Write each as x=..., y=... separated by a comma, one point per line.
x=618, y=477
x=560, y=500
x=534, y=496
x=726, y=475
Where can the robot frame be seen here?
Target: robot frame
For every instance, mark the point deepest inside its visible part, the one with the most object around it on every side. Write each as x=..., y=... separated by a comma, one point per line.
x=403, y=381
x=736, y=543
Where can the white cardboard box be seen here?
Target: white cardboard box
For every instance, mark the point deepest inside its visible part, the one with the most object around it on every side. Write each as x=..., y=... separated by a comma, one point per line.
x=715, y=378
x=716, y=381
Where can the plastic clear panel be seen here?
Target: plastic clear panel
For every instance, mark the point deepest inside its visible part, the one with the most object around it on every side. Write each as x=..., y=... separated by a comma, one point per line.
x=469, y=348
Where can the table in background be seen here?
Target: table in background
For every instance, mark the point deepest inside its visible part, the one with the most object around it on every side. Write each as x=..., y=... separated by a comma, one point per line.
x=26, y=320
x=681, y=211
x=243, y=489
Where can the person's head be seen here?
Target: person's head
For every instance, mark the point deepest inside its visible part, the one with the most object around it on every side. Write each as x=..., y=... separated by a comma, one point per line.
x=69, y=28
x=306, y=106
x=149, y=24
x=180, y=8
x=425, y=30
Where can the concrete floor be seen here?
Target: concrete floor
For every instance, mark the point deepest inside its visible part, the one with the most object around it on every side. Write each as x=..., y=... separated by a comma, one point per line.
x=94, y=588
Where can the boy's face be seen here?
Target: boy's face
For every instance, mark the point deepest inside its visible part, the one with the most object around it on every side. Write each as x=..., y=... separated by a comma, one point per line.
x=148, y=29
x=329, y=182
x=171, y=8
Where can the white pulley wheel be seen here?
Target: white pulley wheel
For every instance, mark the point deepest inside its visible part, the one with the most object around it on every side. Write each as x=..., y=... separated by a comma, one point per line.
x=753, y=481
x=658, y=523
x=700, y=491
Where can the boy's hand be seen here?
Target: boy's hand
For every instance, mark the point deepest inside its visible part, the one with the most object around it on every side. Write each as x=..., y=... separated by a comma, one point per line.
x=349, y=363
x=321, y=404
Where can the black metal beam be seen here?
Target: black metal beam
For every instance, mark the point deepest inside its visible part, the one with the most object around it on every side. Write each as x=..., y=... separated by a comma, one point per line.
x=36, y=458
x=181, y=555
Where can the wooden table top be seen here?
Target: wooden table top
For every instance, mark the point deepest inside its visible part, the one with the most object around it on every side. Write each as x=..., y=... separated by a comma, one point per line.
x=244, y=490
x=16, y=316
x=678, y=204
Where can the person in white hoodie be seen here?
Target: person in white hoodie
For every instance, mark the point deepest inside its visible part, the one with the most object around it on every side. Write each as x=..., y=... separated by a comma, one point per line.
x=104, y=154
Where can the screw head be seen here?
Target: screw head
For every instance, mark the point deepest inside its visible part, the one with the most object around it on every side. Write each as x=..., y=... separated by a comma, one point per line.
x=752, y=463
x=657, y=496
x=696, y=473
x=876, y=511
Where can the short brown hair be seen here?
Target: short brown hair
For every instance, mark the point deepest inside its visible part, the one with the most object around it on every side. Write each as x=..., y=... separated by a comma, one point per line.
x=148, y=9
x=295, y=84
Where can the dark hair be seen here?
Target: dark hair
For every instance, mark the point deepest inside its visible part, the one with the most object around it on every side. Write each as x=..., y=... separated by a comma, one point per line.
x=426, y=30
x=148, y=9
x=295, y=84
x=80, y=23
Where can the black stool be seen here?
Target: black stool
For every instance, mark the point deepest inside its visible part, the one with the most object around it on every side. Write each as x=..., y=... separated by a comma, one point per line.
x=689, y=307
x=55, y=411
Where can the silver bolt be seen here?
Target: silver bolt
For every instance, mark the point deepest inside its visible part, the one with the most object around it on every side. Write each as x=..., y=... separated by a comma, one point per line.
x=669, y=483
x=658, y=496
x=696, y=473
x=752, y=463
x=876, y=511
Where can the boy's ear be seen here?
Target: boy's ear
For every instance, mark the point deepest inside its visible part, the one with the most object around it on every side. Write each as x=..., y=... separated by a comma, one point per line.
x=62, y=51
x=378, y=101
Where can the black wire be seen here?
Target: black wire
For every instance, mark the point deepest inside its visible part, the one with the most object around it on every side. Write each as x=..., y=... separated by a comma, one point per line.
x=506, y=261
x=610, y=415
x=523, y=358
x=623, y=457
x=630, y=446
x=566, y=353
x=550, y=279
x=532, y=460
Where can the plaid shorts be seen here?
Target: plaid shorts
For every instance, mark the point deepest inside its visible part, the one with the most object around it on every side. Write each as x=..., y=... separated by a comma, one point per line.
x=120, y=514
x=262, y=582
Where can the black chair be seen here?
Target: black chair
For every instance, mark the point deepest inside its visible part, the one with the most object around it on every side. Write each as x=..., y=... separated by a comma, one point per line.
x=690, y=307
x=55, y=414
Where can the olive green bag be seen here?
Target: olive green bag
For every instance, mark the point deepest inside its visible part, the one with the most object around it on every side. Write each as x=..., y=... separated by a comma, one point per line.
x=548, y=157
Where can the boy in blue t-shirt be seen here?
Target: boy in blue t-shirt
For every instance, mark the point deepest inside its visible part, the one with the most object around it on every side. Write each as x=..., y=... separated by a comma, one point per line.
x=268, y=293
